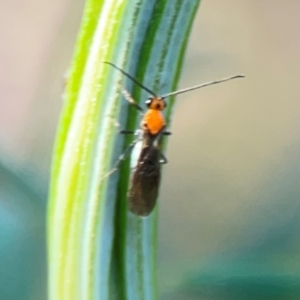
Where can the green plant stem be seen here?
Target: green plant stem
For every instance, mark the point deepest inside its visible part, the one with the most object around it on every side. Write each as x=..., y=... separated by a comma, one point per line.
x=148, y=39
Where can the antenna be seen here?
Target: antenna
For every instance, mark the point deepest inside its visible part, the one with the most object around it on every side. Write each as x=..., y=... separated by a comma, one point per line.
x=201, y=86
x=132, y=78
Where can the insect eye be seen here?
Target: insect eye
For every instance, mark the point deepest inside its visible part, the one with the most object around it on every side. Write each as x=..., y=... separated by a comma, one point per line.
x=148, y=101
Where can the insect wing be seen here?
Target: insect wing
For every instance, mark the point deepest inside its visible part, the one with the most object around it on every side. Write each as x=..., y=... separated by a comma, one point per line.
x=145, y=182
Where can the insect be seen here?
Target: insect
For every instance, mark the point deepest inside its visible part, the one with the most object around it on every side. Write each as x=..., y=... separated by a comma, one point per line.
x=145, y=180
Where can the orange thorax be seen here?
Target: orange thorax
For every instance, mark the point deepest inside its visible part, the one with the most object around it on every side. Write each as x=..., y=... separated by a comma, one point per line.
x=153, y=121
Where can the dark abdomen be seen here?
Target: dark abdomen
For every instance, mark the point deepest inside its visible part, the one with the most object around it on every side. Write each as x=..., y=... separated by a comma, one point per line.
x=145, y=182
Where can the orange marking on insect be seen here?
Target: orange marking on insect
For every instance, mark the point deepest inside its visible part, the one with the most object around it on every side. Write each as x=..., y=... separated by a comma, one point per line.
x=153, y=121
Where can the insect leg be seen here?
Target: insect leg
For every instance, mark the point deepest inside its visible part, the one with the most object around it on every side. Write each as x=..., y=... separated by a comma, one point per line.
x=163, y=159
x=123, y=157
x=167, y=133
x=131, y=101
x=127, y=131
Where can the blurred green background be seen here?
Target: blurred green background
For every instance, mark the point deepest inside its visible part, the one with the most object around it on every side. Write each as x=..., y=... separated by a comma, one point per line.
x=229, y=207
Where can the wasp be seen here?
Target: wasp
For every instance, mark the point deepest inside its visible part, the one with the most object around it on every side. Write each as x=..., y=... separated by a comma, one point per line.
x=145, y=181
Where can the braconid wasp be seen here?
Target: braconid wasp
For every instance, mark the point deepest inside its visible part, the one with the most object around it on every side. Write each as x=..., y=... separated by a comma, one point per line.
x=145, y=180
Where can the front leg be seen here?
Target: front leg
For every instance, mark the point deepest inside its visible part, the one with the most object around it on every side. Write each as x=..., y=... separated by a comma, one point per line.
x=167, y=133
x=127, y=132
x=131, y=101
